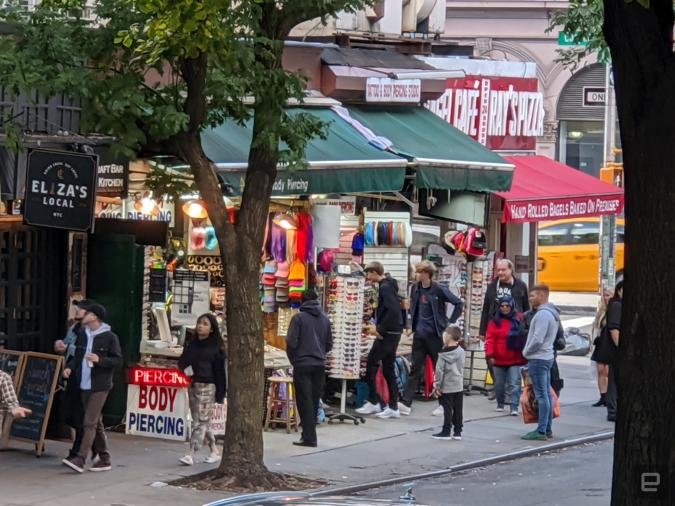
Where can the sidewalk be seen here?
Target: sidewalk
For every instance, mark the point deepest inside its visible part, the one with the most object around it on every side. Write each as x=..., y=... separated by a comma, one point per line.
x=347, y=454
x=576, y=302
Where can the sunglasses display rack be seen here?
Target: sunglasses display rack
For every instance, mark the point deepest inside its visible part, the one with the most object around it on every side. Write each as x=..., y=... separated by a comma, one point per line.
x=344, y=299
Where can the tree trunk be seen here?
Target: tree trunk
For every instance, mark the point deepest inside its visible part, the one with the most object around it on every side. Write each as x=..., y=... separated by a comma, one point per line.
x=641, y=45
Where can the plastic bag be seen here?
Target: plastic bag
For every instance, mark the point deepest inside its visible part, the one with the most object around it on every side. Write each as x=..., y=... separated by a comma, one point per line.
x=530, y=408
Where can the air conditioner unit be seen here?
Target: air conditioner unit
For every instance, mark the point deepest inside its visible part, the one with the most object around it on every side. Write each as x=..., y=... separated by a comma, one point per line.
x=423, y=16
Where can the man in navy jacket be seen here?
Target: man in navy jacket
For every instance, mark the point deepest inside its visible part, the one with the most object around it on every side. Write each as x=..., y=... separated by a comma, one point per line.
x=429, y=321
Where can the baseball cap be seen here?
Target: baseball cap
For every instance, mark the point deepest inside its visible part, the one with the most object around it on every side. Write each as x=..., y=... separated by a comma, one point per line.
x=93, y=307
x=375, y=267
x=81, y=302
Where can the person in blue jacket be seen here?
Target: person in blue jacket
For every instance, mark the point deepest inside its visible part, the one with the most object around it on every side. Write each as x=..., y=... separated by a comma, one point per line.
x=428, y=309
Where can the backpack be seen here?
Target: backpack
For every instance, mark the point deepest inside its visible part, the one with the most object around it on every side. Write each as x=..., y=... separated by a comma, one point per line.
x=559, y=343
x=402, y=369
x=475, y=243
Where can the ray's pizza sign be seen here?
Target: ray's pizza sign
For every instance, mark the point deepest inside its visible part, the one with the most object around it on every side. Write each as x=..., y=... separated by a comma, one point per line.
x=60, y=189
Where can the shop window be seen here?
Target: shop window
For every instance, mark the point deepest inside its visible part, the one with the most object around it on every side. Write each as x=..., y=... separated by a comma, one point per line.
x=553, y=236
x=620, y=234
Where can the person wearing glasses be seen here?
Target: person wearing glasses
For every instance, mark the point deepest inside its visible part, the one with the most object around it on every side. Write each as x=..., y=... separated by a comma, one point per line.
x=504, y=284
x=388, y=329
x=308, y=341
x=428, y=308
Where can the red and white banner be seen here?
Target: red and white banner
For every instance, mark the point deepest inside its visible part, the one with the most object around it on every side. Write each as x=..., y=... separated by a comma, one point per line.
x=502, y=113
x=557, y=209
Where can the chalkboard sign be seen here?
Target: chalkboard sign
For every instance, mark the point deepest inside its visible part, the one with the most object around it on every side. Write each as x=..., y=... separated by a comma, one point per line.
x=10, y=362
x=36, y=389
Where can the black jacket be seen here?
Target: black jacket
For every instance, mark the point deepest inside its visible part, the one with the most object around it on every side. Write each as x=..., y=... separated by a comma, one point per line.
x=207, y=358
x=440, y=296
x=388, y=315
x=309, y=336
x=107, y=346
x=490, y=305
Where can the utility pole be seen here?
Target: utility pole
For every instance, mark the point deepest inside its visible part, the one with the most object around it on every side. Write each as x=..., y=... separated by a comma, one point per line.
x=607, y=272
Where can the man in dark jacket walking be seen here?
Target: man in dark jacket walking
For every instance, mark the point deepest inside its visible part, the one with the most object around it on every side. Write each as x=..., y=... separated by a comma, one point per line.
x=389, y=325
x=308, y=340
x=504, y=284
x=97, y=355
x=429, y=321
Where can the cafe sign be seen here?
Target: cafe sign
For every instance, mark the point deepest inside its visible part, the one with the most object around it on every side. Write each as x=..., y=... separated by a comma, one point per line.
x=60, y=189
x=113, y=173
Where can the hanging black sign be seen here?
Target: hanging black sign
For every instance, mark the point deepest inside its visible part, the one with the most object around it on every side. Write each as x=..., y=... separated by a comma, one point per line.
x=113, y=173
x=60, y=189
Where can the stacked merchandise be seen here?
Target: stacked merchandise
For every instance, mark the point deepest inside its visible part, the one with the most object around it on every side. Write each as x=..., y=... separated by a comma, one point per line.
x=388, y=233
x=344, y=304
x=481, y=275
x=367, y=338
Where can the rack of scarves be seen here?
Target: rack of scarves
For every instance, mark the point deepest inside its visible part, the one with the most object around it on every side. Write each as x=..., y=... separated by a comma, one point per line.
x=388, y=233
x=287, y=269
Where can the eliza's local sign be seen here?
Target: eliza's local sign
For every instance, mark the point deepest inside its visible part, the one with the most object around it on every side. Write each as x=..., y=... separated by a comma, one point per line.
x=60, y=189
x=502, y=113
x=383, y=89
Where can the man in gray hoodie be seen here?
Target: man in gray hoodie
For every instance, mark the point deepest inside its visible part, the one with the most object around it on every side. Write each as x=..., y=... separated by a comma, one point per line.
x=308, y=340
x=539, y=353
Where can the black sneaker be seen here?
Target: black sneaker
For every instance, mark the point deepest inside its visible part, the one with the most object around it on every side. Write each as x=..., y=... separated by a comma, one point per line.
x=75, y=463
x=457, y=436
x=600, y=403
x=445, y=436
x=101, y=465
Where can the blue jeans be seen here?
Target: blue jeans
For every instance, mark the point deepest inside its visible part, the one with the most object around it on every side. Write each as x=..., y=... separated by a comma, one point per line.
x=507, y=386
x=540, y=374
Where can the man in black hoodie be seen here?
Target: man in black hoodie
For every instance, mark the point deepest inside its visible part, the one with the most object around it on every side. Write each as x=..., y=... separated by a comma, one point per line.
x=308, y=340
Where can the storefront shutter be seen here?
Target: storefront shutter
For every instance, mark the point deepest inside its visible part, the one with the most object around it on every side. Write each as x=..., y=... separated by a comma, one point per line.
x=571, y=101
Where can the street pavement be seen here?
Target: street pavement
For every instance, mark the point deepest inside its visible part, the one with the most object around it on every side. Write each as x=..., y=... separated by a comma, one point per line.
x=347, y=454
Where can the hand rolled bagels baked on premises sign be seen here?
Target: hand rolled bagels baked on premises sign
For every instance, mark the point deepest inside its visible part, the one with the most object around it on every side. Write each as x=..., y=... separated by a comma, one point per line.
x=60, y=189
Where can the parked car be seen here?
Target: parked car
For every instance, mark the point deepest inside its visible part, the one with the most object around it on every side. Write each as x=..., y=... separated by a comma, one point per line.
x=569, y=253
x=306, y=499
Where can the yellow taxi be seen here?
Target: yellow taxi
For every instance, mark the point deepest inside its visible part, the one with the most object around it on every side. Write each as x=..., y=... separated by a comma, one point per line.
x=569, y=253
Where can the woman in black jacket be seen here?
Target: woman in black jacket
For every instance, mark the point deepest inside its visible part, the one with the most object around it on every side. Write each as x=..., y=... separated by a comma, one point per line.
x=203, y=360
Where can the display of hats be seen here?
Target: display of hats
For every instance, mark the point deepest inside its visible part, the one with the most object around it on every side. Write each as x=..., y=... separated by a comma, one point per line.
x=325, y=260
x=281, y=283
x=269, y=304
x=282, y=295
x=269, y=279
x=270, y=267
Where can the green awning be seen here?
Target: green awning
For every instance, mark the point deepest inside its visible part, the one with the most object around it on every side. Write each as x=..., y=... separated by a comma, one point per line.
x=444, y=157
x=344, y=162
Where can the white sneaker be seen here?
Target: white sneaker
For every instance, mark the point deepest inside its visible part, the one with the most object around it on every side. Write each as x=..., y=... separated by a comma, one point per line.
x=438, y=411
x=499, y=410
x=403, y=409
x=389, y=413
x=212, y=458
x=515, y=412
x=369, y=409
x=457, y=438
x=187, y=460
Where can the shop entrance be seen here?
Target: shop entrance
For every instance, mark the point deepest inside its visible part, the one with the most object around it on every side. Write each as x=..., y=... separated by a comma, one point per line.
x=32, y=281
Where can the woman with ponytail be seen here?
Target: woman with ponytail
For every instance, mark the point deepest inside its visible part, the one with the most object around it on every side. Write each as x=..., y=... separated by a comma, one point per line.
x=504, y=341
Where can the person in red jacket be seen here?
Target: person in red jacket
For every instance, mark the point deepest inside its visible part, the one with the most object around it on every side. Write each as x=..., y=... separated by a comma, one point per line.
x=504, y=341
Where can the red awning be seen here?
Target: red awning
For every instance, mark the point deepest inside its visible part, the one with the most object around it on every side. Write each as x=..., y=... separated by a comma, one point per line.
x=544, y=189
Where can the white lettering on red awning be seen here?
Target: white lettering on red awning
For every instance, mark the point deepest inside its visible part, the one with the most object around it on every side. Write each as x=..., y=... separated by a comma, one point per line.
x=542, y=210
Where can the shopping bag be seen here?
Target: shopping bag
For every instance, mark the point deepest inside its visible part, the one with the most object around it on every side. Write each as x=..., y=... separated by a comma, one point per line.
x=381, y=386
x=530, y=408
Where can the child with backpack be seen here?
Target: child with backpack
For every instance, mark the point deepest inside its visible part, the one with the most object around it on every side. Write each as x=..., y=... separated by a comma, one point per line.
x=449, y=384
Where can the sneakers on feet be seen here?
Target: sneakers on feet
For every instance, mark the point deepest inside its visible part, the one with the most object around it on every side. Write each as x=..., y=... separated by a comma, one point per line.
x=212, y=458
x=457, y=437
x=389, y=413
x=405, y=410
x=369, y=409
x=101, y=465
x=499, y=409
x=534, y=436
x=515, y=412
x=438, y=411
x=492, y=395
x=445, y=436
x=76, y=463
x=187, y=460
x=549, y=435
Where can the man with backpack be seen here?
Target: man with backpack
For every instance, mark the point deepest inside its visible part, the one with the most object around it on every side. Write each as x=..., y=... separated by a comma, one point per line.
x=539, y=353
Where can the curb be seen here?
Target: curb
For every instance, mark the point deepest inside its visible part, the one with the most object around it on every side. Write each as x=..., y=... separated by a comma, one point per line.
x=585, y=310
x=505, y=457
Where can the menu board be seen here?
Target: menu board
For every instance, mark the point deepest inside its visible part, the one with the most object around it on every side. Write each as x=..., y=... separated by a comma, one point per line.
x=10, y=362
x=36, y=389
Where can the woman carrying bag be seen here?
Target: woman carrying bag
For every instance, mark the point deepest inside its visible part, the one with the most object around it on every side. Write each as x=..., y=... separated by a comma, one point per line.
x=504, y=341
